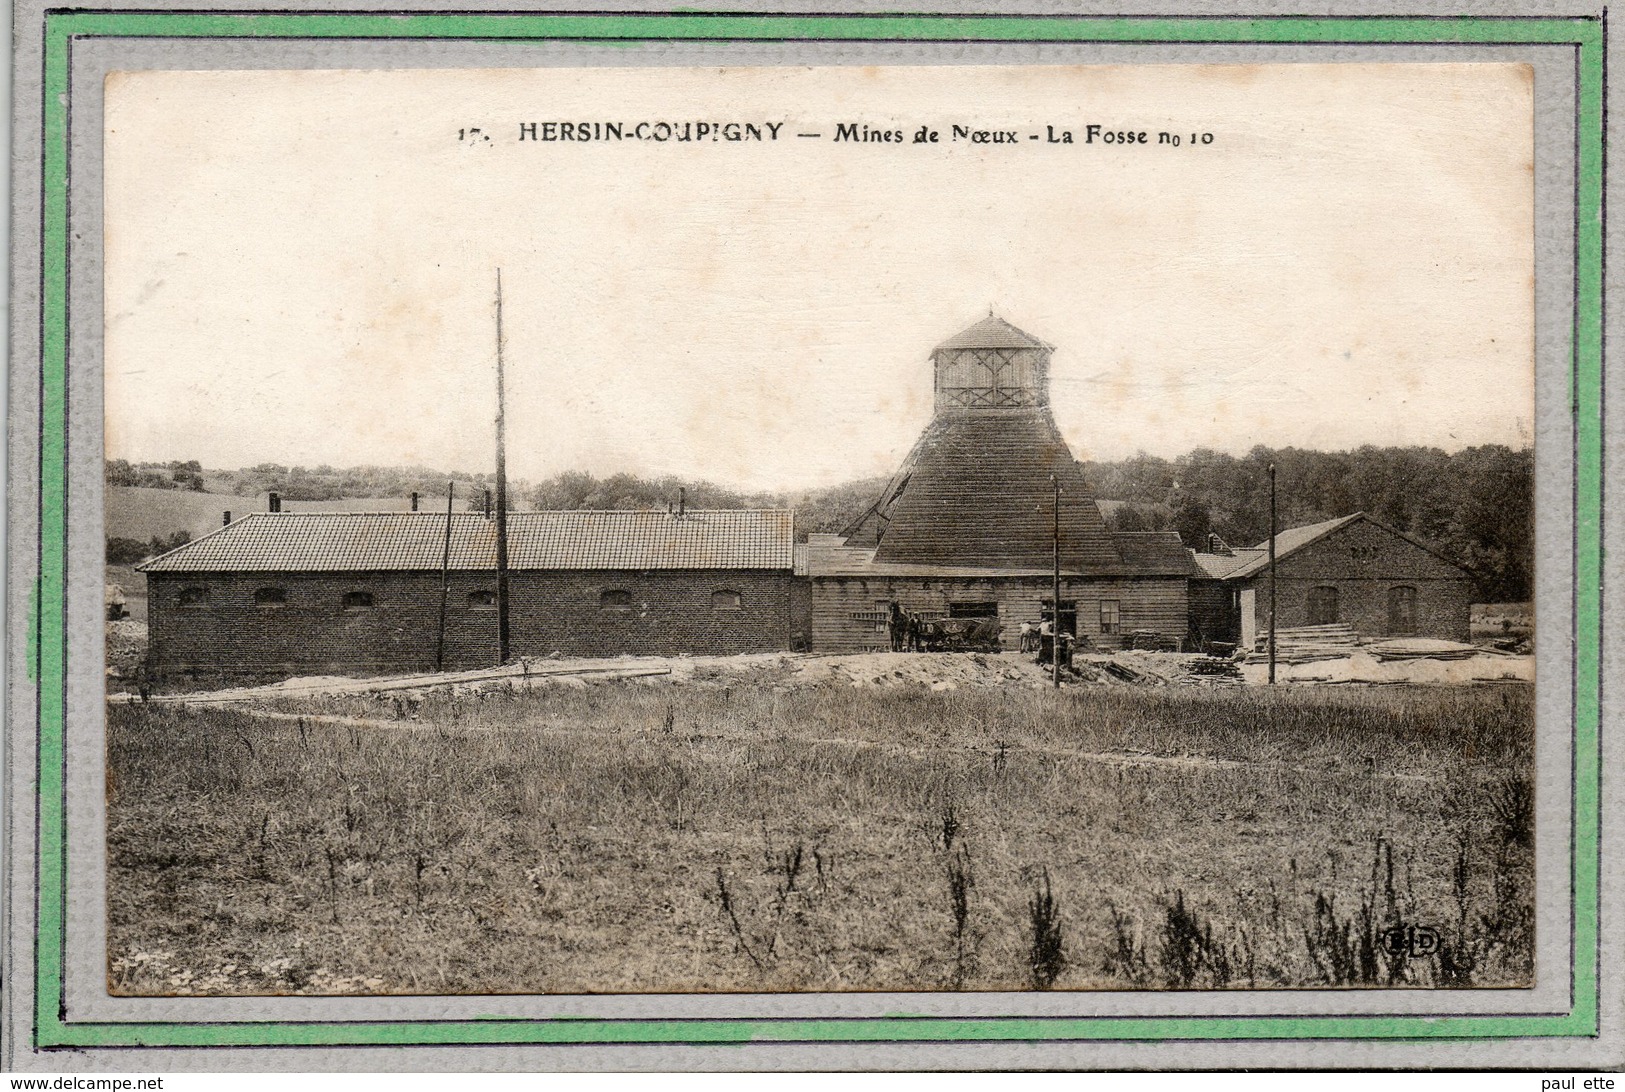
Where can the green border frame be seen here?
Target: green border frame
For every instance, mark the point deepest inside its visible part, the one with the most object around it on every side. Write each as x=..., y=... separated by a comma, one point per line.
x=47, y=637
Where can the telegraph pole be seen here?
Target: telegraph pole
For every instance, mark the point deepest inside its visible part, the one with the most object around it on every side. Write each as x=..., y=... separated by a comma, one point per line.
x=502, y=495
x=1055, y=592
x=445, y=582
x=1272, y=574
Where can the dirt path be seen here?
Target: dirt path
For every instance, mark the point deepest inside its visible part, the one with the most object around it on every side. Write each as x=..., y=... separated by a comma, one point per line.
x=318, y=688
x=1105, y=758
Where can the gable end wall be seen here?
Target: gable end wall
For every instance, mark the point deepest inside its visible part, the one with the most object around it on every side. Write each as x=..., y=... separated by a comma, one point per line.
x=1364, y=562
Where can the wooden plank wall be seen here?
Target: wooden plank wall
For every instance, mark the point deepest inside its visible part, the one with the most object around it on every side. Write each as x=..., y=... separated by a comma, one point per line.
x=848, y=613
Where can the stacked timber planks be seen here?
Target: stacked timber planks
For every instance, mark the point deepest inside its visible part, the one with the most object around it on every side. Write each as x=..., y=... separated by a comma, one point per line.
x=1164, y=668
x=1422, y=648
x=1308, y=644
x=1150, y=641
x=1214, y=669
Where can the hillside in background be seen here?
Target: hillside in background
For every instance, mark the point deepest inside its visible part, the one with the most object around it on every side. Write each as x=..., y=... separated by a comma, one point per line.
x=141, y=513
x=1476, y=506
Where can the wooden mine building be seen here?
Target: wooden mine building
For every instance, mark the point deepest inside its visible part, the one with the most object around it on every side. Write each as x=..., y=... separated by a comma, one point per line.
x=967, y=524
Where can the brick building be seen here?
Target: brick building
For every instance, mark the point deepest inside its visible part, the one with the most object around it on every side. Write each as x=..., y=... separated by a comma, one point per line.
x=1352, y=570
x=968, y=524
x=294, y=593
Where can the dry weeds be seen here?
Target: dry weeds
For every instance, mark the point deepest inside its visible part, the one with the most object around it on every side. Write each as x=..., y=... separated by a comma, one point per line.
x=632, y=836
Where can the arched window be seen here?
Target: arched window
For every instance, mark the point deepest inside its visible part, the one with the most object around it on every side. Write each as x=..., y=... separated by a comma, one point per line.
x=1322, y=605
x=194, y=596
x=358, y=600
x=615, y=599
x=1402, y=610
x=270, y=597
x=726, y=599
x=482, y=599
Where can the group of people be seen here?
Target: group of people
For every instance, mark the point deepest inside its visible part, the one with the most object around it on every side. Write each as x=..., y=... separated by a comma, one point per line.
x=908, y=631
x=1040, y=638
x=911, y=633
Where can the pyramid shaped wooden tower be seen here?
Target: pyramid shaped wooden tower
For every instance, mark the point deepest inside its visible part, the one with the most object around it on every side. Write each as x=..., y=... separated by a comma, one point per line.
x=967, y=526
x=976, y=488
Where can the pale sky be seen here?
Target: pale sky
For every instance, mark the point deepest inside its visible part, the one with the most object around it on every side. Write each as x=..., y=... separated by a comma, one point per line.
x=300, y=265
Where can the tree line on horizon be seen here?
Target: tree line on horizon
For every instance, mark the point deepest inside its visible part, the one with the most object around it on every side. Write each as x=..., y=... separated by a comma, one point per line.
x=1475, y=506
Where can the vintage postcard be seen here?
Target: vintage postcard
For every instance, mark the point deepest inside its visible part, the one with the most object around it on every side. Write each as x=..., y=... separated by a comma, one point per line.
x=752, y=534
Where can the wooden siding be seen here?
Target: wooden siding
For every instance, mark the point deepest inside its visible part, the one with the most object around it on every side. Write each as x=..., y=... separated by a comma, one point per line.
x=848, y=613
x=1213, y=614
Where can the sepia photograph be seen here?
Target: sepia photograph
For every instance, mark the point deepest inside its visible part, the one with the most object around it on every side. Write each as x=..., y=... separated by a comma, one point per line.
x=819, y=529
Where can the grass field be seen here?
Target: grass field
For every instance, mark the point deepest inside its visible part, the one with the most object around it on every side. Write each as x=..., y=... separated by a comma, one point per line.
x=730, y=837
x=141, y=513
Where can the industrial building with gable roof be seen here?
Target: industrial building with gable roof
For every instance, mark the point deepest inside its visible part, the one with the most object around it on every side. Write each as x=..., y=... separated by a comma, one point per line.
x=291, y=593
x=1352, y=570
x=968, y=526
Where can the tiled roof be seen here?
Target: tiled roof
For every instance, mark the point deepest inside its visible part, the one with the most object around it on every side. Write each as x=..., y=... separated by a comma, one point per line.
x=835, y=561
x=975, y=491
x=1295, y=538
x=414, y=541
x=1220, y=566
x=992, y=333
x=1158, y=553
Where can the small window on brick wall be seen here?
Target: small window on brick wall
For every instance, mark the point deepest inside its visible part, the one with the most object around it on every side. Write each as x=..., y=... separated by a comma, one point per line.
x=194, y=596
x=482, y=599
x=270, y=597
x=726, y=599
x=615, y=599
x=358, y=600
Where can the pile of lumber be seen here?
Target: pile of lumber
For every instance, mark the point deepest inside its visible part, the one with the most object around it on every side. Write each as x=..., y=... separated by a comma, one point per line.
x=1307, y=644
x=1145, y=640
x=1118, y=670
x=1213, y=669
x=1163, y=669
x=1422, y=648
